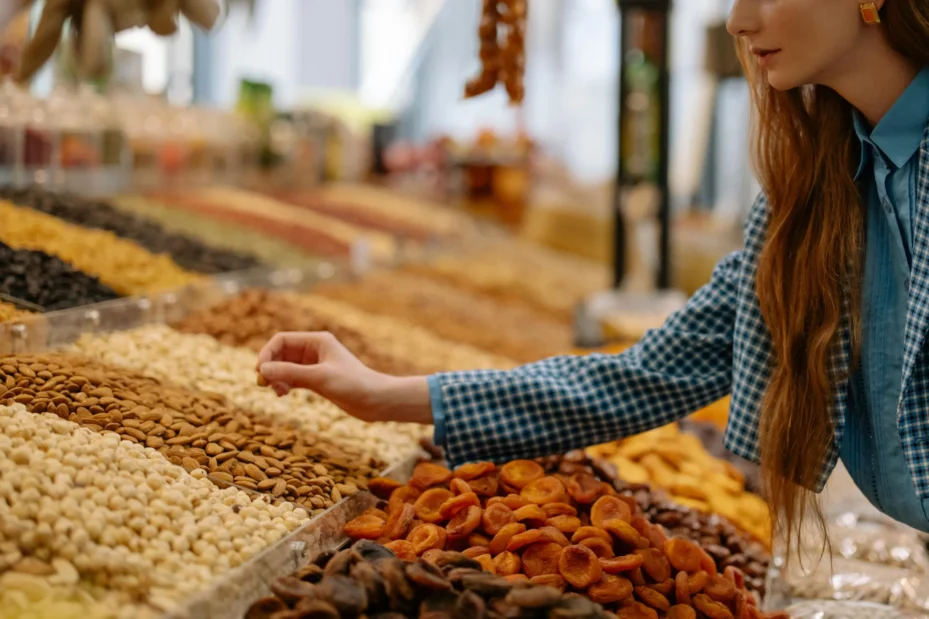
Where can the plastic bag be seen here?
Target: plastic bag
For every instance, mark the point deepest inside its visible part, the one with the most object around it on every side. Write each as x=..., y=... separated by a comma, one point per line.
x=858, y=581
x=828, y=609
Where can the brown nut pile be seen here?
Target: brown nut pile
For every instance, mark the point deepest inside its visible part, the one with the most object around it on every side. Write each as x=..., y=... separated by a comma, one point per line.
x=251, y=318
x=504, y=63
x=728, y=545
x=371, y=581
x=568, y=532
x=9, y=312
x=192, y=429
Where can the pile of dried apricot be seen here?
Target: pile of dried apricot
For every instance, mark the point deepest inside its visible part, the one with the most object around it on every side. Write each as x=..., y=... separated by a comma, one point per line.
x=571, y=532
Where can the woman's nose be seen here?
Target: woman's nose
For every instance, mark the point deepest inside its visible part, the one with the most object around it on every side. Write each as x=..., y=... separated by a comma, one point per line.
x=743, y=19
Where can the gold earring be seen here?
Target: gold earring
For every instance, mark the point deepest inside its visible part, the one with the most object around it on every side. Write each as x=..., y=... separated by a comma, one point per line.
x=869, y=13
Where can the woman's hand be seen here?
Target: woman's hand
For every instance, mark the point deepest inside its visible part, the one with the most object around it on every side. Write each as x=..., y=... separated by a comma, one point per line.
x=317, y=361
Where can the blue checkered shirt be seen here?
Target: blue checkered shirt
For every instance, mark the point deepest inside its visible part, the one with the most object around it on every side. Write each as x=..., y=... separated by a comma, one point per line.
x=717, y=344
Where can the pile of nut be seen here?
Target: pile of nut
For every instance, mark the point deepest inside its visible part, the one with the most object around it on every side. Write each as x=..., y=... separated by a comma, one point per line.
x=116, y=519
x=196, y=430
x=561, y=531
x=123, y=265
x=200, y=362
x=678, y=462
x=504, y=63
x=9, y=312
x=369, y=580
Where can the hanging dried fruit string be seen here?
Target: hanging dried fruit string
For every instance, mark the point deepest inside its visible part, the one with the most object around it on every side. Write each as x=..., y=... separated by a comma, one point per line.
x=505, y=63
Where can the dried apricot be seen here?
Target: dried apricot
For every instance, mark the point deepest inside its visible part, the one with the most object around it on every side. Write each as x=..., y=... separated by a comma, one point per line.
x=652, y=598
x=514, y=578
x=541, y=558
x=681, y=588
x=720, y=588
x=492, y=500
x=476, y=539
x=735, y=575
x=476, y=551
x=531, y=513
x=373, y=511
x=637, y=610
x=365, y=527
x=637, y=577
x=588, y=532
x=382, y=487
x=473, y=470
x=555, y=581
x=427, y=537
x=544, y=491
x=398, y=524
x=452, y=506
x=603, y=550
x=626, y=563
x=688, y=556
x=579, y=566
x=776, y=614
x=519, y=473
x=681, y=611
x=584, y=488
x=403, y=494
x=554, y=535
x=609, y=508
x=496, y=517
x=711, y=608
x=429, y=502
x=521, y=540
x=610, y=589
x=487, y=563
x=514, y=501
x=629, y=501
x=464, y=522
x=664, y=587
x=403, y=549
x=432, y=555
x=565, y=524
x=656, y=564
x=459, y=486
x=428, y=474
x=507, y=563
x=623, y=531
x=559, y=509
x=484, y=486
x=697, y=581
x=654, y=533
x=740, y=604
x=753, y=613
x=500, y=541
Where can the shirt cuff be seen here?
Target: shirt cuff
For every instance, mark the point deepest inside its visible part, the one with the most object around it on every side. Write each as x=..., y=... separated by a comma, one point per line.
x=438, y=415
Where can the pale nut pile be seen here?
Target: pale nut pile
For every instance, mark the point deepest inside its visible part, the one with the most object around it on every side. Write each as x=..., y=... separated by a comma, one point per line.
x=30, y=596
x=9, y=312
x=200, y=362
x=192, y=429
x=125, y=518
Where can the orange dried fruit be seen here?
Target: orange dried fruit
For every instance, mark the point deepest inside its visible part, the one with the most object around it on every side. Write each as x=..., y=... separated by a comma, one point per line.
x=427, y=537
x=429, y=503
x=521, y=540
x=383, y=487
x=452, y=506
x=739, y=605
x=735, y=575
x=398, y=524
x=656, y=564
x=555, y=581
x=637, y=610
x=681, y=611
x=484, y=486
x=682, y=588
x=403, y=494
x=603, y=550
x=711, y=608
x=720, y=588
x=637, y=577
x=753, y=613
x=554, y=535
x=514, y=578
x=476, y=539
x=403, y=549
x=476, y=551
x=609, y=508
x=629, y=501
x=432, y=555
x=664, y=588
x=474, y=470
x=626, y=563
x=610, y=589
x=459, y=486
x=544, y=491
x=588, y=532
x=487, y=563
x=464, y=523
x=654, y=533
x=514, y=501
x=496, y=517
x=650, y=597
x=559, y=509
x=428, y=474
x=531, y=513
x=579, y=566
x=520, y=473
x=493, y=500
x=623, y=531
x=688, y=556
x=373, y=511
x=500, y=541
x=565, y=524
x=697, y=581
x=541, y=558
x=365, y=527
x=584, y=488
x=507, y=563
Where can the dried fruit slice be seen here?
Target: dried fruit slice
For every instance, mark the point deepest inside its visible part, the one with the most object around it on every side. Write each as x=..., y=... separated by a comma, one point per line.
x=623, y=531
x=457, y=503
x=588, y=532
x=565, y=524
x=429, y=504
x=609, y=508
x=656, y=564
x=427, y=537
x=517, y=578
x=476, y=539
x=549, y=580
x=533, y=598
x=428, y=474
x=579, y=566
x=544, y=491
x=464, y=523
x=475, y=551
x=681, y=588
x=484, y=486
x=474, y=470
x=637, y=610
x=364, y=527
x=626, y=563
x=559, y=509
x=383, y=487
x=500, y=541
x=521, y=540
x=403, y=549
x=507, y=563
x=432, y=555
x=373, y=511
x=711, y=608
x=610, y=589
x=426, y=576
x=664, y=587
x=554, y=535
x=403, y=494
x=541, y=558
x=584, y=488
x=603, y=550
x=735, y=575
x=697, y=582
x=637, y=577
x=487, y=563
x=532, y=514
x=520, y=473
x=681, y=611
x=687, y=556
x=459, y=486
x=496, y=517
x=720, y=588
x=650, y=597
x=398, y=524
x=514, y=501
x=654, y=533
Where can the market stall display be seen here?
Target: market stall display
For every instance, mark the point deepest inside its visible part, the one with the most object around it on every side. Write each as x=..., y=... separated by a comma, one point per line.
x=9, y=312
x=711, y=435
x=505, y=62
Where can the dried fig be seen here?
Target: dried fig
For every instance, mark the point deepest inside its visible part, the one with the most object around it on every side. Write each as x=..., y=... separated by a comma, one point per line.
x=625, y=563
x=500, y=541
x=364, y=527
x=496, y=517
x=365, y=574
x=457, y=503
x=383, y=487
x=487, y=585
x=429, y=474
x=609, y=508
x=400, y=592
x=429, y=503
x=464, y=523
x=371, y=551
x=427, y=576
x=544, y=491
x=610, y=589
x=584, y=488
x=711, y=608
x=474, y=470
x=579, y=566
x=470, y=606
x=520, y=473
x=402, y=549
x=602, y=549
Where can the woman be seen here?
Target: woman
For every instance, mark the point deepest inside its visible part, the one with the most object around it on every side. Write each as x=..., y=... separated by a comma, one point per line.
x=817, y=328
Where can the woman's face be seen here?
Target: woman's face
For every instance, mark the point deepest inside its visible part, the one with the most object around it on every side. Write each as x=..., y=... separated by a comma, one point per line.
x=798, y=42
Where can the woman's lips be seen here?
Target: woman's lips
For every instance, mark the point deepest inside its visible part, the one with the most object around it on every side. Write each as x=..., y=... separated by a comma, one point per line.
x=765, y=56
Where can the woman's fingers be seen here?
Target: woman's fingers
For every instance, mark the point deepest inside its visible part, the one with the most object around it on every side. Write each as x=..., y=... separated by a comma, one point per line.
x=43, y=43
x=305, y=348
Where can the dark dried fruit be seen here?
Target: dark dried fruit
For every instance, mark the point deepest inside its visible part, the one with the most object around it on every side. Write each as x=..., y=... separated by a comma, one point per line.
x=520, y=473
x=264, y=608
x=370, y=551
x=316, y=609
x=292, y=589
x=456, y=560
x=470, y=606
x=399, y=590
x=310, y=573
x=487, y=585
x=534, y=597
x=610, y=589
x=579, y=566
x=426, y=576
x=341, y=562
x=574, y=608
x=365, y=574
x=347, y=595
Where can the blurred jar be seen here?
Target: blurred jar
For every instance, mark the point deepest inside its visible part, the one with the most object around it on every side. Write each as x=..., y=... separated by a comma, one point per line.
x=11, y=134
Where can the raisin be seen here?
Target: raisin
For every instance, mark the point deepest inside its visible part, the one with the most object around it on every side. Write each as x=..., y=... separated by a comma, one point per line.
x=521, y=540
x=584, y=488
x=364, y=527
x=711, y=608
x=623, y=531
x=484, y=486
x=383, y=487
x=580, y=566
x=507, y=563
x=520, y=473
x=656, y=564
x=602, y=549
x=610, y=589
x=464, y=523
x=474, y=470
x=500, y=541
x=429, y=474
x=720, y=588
x=588, y=532
x=292, y=590
x=681, y=611
x=549, y=580
x=552, y=534
x=682, y=588
x=403, y=549
x=530, y=513
x=637, y=610
x=541, y=558
x=496, y=517
x=609, y=508
x=626, y=563
x=544, y=490
x=403, y=494
x=428, y=504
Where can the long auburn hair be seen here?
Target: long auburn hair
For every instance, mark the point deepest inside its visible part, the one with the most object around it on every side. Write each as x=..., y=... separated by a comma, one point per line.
x=810, y=267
